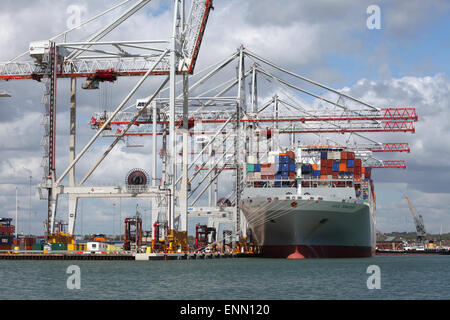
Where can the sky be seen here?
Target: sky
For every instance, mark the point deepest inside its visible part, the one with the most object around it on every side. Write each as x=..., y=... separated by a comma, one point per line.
x=402, y=64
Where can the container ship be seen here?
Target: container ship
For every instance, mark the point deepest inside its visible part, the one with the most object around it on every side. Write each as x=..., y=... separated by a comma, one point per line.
x=310, y=203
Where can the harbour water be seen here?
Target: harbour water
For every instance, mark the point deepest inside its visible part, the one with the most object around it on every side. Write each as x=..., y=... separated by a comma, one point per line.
x=401, y=277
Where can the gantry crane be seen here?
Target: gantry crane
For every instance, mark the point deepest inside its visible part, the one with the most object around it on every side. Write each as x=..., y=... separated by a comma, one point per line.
x=217, y=111
x=418, y=221
x=99, y=61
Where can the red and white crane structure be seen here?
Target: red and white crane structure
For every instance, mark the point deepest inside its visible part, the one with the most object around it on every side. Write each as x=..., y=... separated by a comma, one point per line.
x=213, y=122
x=99, y=61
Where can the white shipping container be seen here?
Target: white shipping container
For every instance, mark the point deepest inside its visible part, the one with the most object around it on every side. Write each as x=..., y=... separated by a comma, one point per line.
x=274, y=153
x=252, y=160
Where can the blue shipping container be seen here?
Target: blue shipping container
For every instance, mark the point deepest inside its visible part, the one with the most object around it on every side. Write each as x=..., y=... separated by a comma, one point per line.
x=306, y=168
x=292, y=167
x=285, y=175
x=323, y=155
x=316, y=173
x=278, y=176
x=257, y=167
x=284, y=159
x=335, y=167
x=351, y=163
x=285, y=167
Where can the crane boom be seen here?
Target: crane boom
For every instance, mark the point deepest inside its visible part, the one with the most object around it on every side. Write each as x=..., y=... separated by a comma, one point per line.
x=123, y=64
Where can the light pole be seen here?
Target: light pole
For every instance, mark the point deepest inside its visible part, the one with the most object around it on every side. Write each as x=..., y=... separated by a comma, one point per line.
x=120, y=218
x=29, y=213
x=17, y=223
x=114, y=219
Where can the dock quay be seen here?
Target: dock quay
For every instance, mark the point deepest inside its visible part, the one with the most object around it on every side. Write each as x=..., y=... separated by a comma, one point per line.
x=190, y=256
x=119, y=256
x=413, y=252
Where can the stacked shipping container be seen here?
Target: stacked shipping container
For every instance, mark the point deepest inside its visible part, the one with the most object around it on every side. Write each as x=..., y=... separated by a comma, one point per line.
x=6, y=233
x=280, y=166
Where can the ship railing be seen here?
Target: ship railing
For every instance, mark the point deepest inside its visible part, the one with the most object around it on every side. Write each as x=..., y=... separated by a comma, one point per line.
x=362, y=188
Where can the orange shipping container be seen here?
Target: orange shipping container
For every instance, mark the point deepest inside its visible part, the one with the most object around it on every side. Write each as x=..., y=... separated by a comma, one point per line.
x=314, y=166
x=323, y=176
x=342, y=167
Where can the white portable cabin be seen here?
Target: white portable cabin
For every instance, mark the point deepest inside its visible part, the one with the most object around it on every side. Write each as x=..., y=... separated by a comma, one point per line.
x=96, y=246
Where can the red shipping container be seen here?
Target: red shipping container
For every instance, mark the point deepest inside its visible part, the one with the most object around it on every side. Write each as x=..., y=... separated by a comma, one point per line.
x=265, y=165
x=292, y=175
x=326, y=163
x=350, y=155
x=343, y=155
x=350, y=169
x=335, y=175
x=357, y=162
x=291, y=155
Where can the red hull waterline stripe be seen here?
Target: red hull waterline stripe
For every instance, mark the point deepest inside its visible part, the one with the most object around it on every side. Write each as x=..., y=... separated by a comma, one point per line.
x=302, y=251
